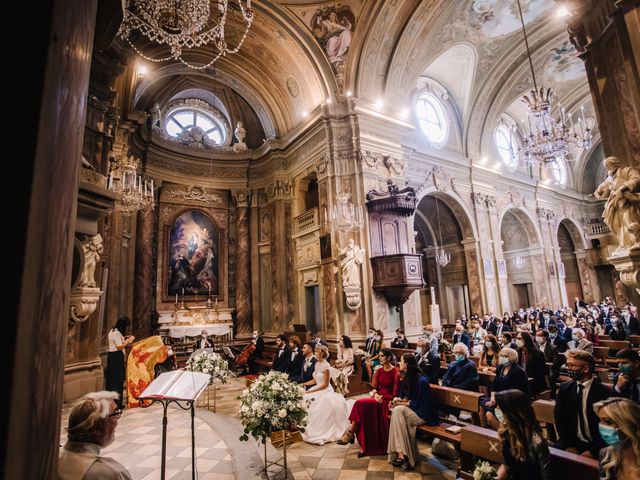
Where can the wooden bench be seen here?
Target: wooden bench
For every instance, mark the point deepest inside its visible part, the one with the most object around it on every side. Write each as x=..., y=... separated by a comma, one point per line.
x=544, y=410
x=455, y=398
x=356, y=385
x=266, y=361
x=478, y=442
x=634, y=340
x=614, y=345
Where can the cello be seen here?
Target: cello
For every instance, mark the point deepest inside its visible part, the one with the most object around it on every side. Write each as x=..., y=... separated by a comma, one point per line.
x=243, y=357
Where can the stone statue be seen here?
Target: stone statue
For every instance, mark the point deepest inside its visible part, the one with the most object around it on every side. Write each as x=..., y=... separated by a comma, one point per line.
x=92, y=248
x=353, y=258
x=621, y=190
x=240, y=134
x=155, y=116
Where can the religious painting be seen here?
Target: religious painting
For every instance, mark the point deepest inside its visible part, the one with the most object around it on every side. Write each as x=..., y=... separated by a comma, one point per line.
x=552, y=269
x=333, y=29
x=193, y=255
x=502, y=269
x=488, y=270
x=561, y=272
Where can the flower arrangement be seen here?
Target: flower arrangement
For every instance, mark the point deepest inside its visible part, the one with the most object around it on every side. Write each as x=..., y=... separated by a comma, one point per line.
x=272, y=403
x=484, y=471
x=359, y=351
x=211, y=363
x=445, y=346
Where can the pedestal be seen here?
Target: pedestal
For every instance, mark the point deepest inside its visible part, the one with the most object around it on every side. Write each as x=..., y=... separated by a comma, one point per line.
x=627, y=263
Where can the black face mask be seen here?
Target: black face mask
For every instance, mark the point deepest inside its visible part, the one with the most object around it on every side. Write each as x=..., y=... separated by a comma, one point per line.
x=574, y=374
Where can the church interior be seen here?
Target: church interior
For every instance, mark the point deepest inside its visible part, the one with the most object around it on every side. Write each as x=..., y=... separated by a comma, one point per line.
x=313, y=168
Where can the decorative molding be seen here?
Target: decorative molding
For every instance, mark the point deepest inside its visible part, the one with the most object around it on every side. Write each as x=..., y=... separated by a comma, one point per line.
x=242, y=198
x=196, y=193
x=546, y=214
x=484, y=200
x=395, y=165
x=516, y=197
x=83, y=302
x=442, y=179
x=281, y=189
x=370, y=160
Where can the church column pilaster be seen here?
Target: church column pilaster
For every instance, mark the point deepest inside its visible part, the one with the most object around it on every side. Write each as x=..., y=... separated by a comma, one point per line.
x=242, y=199
x=143, y=288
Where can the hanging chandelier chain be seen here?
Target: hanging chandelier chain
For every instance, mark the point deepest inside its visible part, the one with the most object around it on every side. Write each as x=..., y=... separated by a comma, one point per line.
x=526, y=43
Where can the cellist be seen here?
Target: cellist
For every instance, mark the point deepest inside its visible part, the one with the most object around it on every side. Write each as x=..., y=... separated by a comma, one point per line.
x=258, y=341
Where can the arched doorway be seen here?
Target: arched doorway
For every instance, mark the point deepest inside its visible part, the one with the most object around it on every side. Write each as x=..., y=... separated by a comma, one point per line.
x=437, y=227
x=569, y=262
x=523, y=267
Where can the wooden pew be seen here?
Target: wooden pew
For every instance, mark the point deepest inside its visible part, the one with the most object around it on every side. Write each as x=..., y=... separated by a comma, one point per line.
x=614, y=344
x=456, y=398
x=544, y=413
x=478, y=442
x=634, y=340
x=601, y=354
x=266, y=361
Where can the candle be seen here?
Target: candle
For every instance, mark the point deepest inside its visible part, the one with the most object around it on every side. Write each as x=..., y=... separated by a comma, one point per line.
x=216, y=302
x=176, y=298
x=183, y=293
x=110, y=183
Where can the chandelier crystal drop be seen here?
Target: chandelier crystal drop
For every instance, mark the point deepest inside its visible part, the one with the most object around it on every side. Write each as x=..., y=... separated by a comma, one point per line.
x=519, y=262
x=182, y=25
x=546, y=136
x=137, y=194
x=345, y=215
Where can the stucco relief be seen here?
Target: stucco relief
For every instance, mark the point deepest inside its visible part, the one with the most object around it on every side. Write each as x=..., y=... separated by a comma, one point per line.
x=381, y=311
x=410, y=310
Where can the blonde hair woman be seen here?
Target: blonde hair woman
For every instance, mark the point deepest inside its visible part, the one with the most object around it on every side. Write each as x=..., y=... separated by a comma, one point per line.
x=328, y=410
x=619, y=425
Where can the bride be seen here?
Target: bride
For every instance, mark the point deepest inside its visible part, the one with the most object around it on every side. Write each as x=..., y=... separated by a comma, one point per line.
x=328, y=410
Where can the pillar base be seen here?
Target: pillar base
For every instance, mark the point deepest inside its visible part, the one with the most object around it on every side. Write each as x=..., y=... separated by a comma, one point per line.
x=82, y=378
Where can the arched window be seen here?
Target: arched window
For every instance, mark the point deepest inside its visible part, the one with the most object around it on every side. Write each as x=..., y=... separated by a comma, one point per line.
x=558, y=171
x=431, y=118
x=182, y=119
x=506, y=143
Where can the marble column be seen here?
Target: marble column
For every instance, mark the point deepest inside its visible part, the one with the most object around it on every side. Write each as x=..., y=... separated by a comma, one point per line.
x=243, y=263
x=143, y=285
x=54, y=102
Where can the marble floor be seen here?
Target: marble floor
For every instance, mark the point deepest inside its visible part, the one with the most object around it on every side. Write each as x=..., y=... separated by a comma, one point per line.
x=221, y=455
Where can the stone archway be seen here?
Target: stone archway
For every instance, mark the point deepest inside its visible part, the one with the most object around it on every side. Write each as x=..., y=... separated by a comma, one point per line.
x=523, y=268
x=568, y=262
x=441, y=222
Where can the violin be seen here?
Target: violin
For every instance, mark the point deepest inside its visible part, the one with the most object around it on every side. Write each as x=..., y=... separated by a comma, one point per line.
x=243, y=357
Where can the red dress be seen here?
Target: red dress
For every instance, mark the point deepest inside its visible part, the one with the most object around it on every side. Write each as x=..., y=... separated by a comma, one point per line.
x=371, y=417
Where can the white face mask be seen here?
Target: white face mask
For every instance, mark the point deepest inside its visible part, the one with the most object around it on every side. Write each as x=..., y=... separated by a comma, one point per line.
x=540, y=340
x=377, y=338
x=371, y=335
x=488, y=344
x=520, y=343
x=255, y=336
x=169, y=352
x=419, y=350
x=204, y=335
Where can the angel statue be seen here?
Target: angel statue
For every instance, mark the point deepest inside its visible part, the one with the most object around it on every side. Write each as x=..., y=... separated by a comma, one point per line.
x=353, y=258
x=241, y=133
x=621, y=190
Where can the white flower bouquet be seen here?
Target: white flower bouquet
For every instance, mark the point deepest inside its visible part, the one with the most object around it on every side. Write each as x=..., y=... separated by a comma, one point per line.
x=211, y=363
x=445, y=346
x=359, y=351
x=272, y=403
x=484, y=471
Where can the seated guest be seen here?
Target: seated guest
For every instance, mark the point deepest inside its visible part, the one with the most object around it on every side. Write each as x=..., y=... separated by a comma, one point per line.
x=531, y=359
x=556, y=339
x=203, y=342
x=550, y=352
x=461, y=335
x=579, y=342
x=630, y=322
x=524, y=450
x=506, y=340
x=589, y=332
x=575, y=419
x=343, y=366
x=477, y=334
x=509, y=375
x=282, y=357
x=489, y=355
x=416, y=406
x=564, y=331
x=428, y=363
x=316, y=339
x=295, y=364
x=371, y=359
x=431, y=337
x=462, y=373
x=617, y=330
x=497, y=327
x=258, y=341
x=619, y=427
x=370, y=416
x=400, y=341
x=627, y=380
x=305, y=377
x=92, y=425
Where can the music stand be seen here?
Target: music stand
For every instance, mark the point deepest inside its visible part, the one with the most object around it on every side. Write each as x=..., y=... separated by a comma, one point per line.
x=175, y=387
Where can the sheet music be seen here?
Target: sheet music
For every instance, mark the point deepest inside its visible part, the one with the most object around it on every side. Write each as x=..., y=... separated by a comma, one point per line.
x=177, y=385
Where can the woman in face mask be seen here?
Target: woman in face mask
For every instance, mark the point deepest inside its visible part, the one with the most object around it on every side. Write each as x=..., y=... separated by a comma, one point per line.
x=619, y=426
x=532, y=361
x=372, y=360
x=524, y=449
x=489, y=355
x=509, y=375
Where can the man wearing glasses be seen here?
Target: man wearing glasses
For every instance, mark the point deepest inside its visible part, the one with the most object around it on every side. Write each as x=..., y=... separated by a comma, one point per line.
x=92, y=425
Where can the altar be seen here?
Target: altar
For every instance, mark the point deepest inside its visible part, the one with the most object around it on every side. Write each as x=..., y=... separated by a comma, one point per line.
x=191, y=320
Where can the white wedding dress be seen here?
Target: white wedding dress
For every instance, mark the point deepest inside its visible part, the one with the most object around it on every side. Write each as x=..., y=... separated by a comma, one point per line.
x=328, y=412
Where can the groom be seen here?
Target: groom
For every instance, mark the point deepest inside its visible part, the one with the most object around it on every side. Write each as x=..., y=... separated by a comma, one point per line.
x=305, y=374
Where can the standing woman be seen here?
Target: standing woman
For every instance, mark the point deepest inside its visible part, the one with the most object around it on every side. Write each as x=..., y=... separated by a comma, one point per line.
x=524, y=450
x=370, y=415
x=372, y=360
x=115, y=372
x=619, y=426
x=416, y=406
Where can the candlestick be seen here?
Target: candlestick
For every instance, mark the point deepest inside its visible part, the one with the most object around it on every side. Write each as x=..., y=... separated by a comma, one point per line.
x=176, y=298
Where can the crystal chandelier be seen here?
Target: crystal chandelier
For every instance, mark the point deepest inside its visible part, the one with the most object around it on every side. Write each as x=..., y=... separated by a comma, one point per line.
x=545, y=139
x=136, y=193
x=344, y=215
x=181, y=25
x=519, y=262
x=442, y=256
